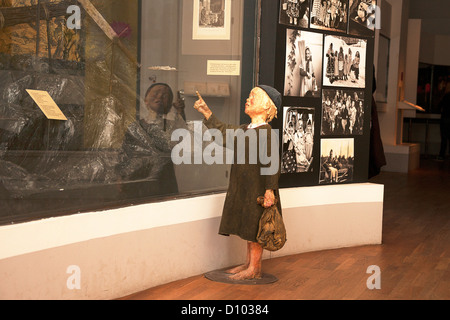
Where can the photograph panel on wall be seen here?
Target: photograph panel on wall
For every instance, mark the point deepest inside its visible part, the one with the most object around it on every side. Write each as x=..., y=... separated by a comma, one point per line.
x=337, y=157
x=212, y=20
x=362, y=17
x=298, y=140
x=304, y=54
x=295, y=13
x=344, y=62
x=331, y=15
x=342, y=112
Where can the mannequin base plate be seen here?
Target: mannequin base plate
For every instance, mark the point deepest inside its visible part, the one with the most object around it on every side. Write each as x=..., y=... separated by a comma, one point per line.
x=223, y=277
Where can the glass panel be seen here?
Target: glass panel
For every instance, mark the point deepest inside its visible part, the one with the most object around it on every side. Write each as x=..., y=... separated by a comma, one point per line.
x=124, y=73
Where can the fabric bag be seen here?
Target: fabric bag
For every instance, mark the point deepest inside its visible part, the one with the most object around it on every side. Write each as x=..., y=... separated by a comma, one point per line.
x=272, y=232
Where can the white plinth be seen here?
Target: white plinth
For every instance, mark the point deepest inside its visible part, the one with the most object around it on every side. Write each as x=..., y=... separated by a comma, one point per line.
x=120, y=252
x=402, y=158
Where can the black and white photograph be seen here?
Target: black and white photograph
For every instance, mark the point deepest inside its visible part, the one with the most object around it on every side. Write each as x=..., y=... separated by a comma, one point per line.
x=342, y=112
x=344, y=62
x=362, y=17
x=336, y=161
x=304, y=54
x=295, y=13
x=212, y=20
x=331, y=15
x=298, y=140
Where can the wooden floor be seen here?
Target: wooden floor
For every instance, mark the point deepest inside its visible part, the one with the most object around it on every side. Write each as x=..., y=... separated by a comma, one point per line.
x=414, y=258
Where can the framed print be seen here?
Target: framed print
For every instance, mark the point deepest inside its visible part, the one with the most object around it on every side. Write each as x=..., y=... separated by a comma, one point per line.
x=331, y=15
x=298, y=140
x=214, y=40
x=212, y=20
x=303, y=75
x=344, y=62
x=295, y=13
x=342, y=112
x=362, y=17
x=336, y=161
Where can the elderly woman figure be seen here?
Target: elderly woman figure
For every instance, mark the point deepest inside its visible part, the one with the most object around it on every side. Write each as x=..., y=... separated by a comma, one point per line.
x=241, y=212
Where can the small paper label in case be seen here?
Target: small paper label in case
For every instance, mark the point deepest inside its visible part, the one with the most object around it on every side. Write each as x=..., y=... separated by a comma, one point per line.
x=47, y=105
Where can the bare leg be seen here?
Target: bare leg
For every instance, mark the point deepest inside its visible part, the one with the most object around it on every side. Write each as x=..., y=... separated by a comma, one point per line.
x=244, y=266
x=254, y=269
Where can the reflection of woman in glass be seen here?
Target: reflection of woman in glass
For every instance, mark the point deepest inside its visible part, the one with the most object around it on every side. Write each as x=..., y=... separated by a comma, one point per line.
x=307, y=76
x=147, y=145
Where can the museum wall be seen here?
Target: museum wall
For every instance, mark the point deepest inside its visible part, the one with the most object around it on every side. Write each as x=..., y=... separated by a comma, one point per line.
x=442, y=48
x=397, y=53
x=427, y=48
x=434, y=48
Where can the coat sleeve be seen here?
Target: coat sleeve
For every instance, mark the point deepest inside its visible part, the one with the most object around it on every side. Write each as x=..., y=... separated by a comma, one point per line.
x=227, y=130
x=214, y=123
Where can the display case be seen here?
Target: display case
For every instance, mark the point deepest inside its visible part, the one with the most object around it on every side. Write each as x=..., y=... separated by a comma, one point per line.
x=123, y=74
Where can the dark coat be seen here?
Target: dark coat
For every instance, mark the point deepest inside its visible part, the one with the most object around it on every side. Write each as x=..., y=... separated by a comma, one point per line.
x=377, y=157
x=241, y=212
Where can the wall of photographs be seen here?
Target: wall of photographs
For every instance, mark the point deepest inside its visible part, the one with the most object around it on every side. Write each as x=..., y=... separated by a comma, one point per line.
x=324, y=69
